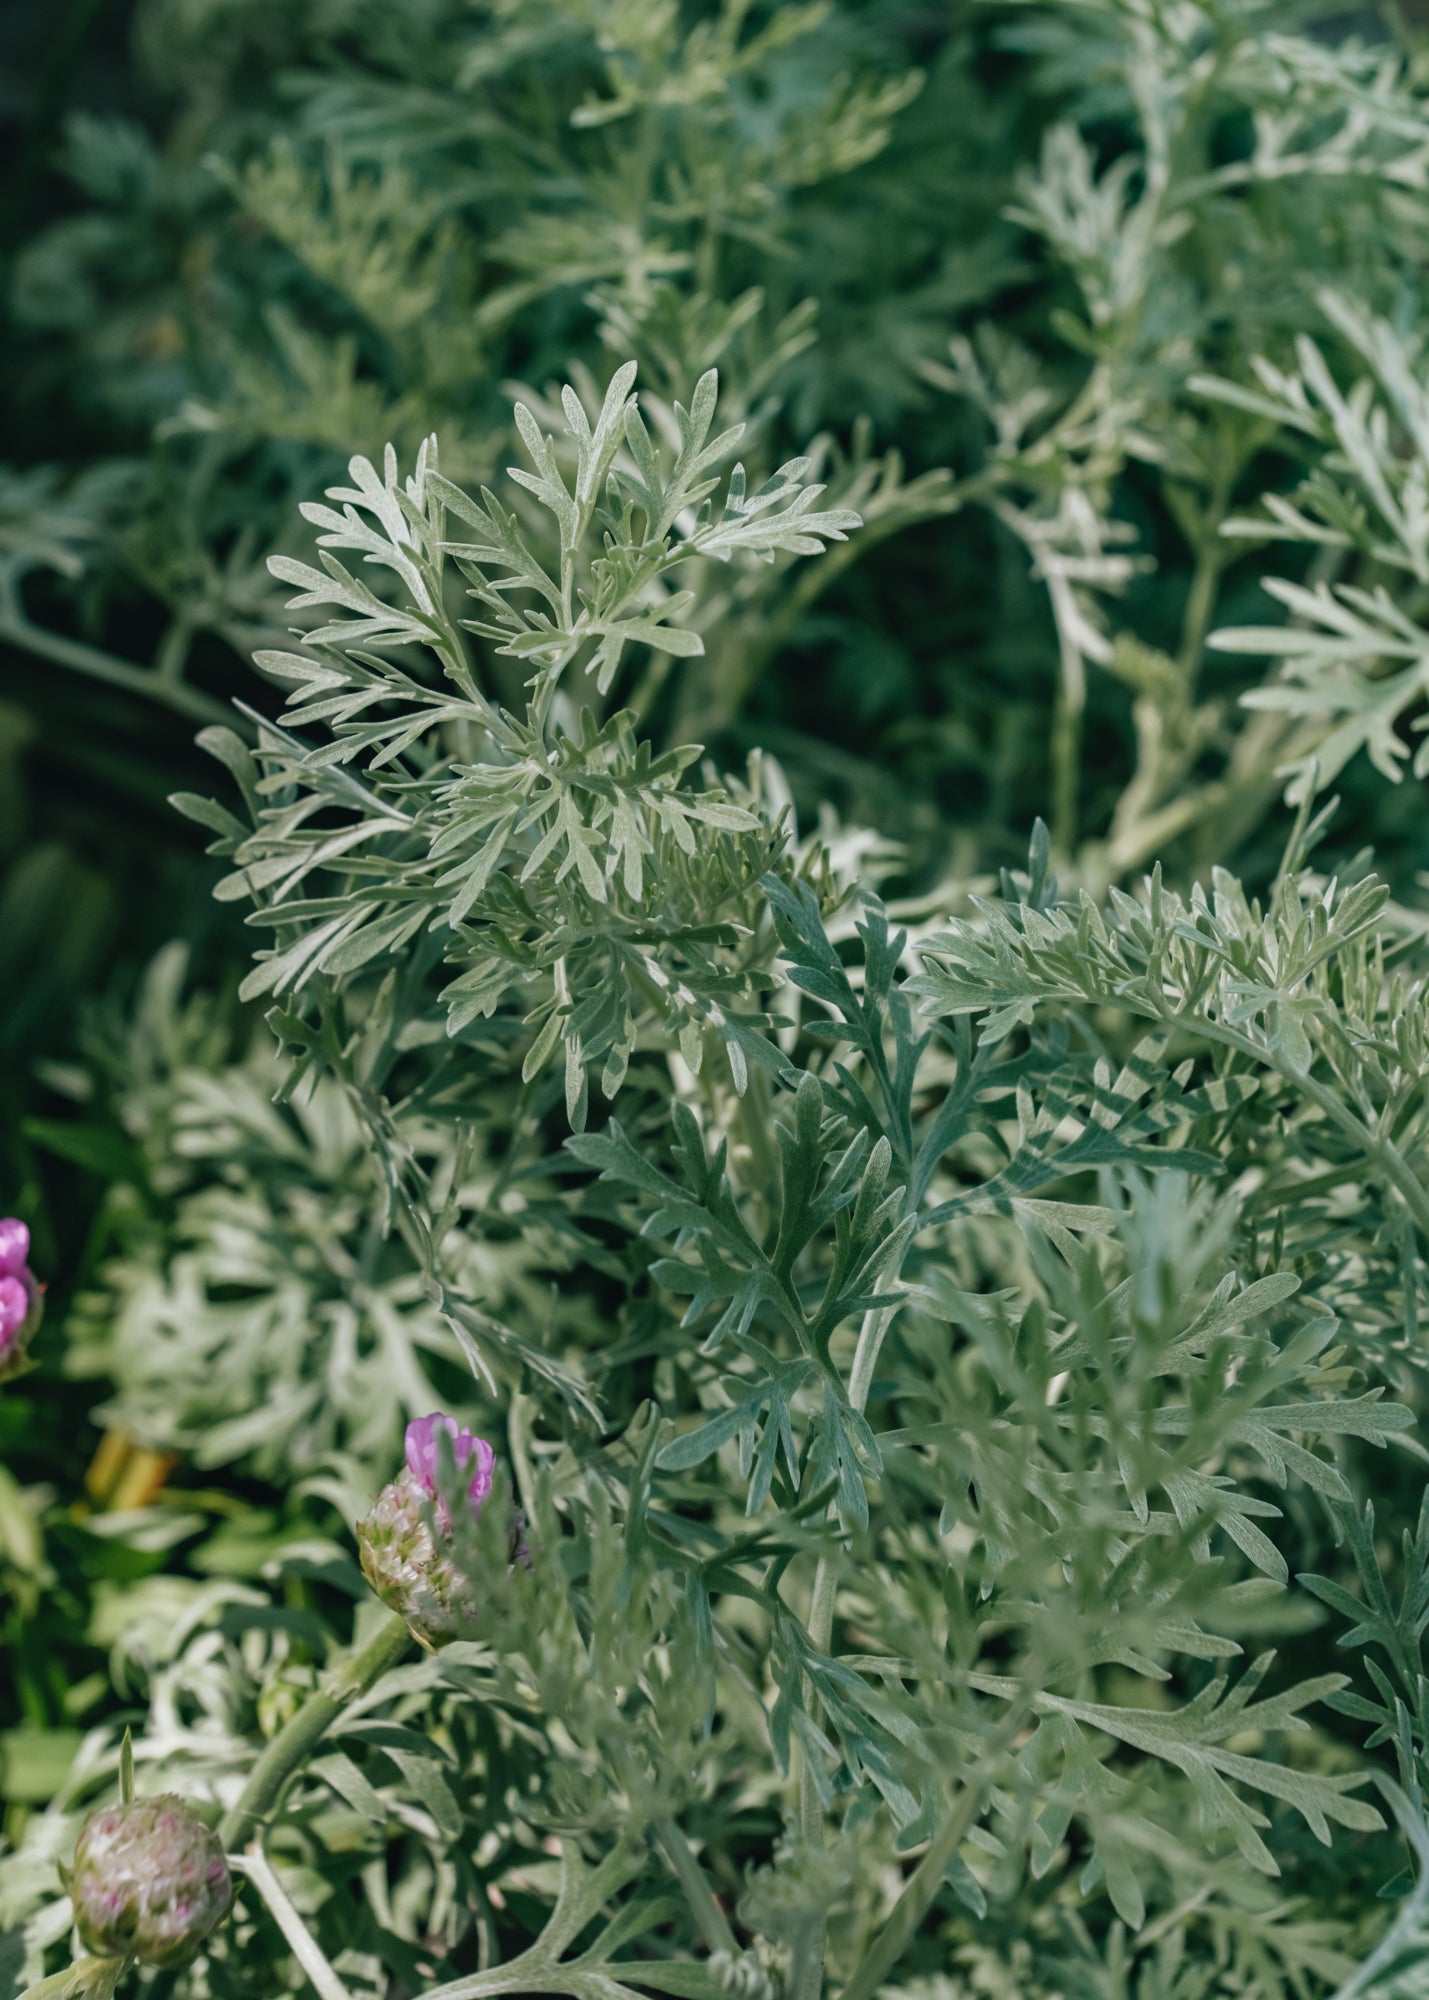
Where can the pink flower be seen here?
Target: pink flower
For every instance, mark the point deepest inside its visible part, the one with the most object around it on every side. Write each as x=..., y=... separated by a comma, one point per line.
x=21, y=1300
x=412, y=1553
x=424, y=1462
x=14, y=1246
x=14, y=1307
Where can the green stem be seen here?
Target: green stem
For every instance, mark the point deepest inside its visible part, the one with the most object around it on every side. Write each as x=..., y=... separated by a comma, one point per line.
x=1066, y=755
x=532, y=1974
x=808, y=1983
x=18, y=631
x=299, y=1737
x=714, y=1926
x=1378, y=1152
x=1200, y=603
x=539, y=1968
x=305, y=1947
x=518, y=1437
x=1133, y=845
x=754, y=1117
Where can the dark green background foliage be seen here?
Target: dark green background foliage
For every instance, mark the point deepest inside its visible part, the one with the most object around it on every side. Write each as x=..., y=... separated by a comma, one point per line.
x=886, y=1073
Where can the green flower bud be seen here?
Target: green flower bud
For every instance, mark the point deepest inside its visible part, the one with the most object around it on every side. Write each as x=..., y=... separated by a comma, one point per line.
x=149, y=1881
x=412, y=1575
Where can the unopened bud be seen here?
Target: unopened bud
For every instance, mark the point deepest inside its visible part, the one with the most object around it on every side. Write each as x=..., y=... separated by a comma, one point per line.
x=21, y=1300
x=149, y=1881
x=409, y=1540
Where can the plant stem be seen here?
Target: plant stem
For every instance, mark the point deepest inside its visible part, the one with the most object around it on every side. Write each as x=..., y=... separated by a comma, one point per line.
x=306, y=1948
x=714, y=1926
x=809, y=1982
x=530, y=1975
x=1379, y=1152
x=1067, y=717
x=539, y=1969
x=299, y=1737
x=1211, y=559
x=1136, y=843
x=18, y=631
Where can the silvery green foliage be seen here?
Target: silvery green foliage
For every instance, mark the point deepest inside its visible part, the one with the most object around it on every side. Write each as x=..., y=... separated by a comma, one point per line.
x=385, y=248
x=544, y=852
x=1351, y=656
x=949, y=1522
x=964, y=1329
x=1296, y=988
x=798, y=200
x=1177, y=247
x=252, y=1312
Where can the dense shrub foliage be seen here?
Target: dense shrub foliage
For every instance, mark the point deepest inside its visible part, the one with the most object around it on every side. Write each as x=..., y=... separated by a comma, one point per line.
x=712, y=734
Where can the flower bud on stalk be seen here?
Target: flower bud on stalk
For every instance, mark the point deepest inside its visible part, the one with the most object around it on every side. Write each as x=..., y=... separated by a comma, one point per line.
x=149, y=1881
x=21, y=1299
x=412, y=1542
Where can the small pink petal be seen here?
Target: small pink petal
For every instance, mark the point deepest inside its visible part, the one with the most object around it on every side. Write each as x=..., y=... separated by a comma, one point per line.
x=14, y=1246
x=424, y=1462
x=14, y=1306
x=421, y=1446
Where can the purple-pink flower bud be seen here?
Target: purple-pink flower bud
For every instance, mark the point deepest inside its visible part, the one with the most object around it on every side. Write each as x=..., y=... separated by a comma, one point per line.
x=14, y=1306
x=424, y=1456
x=149, y=1881
x=14, y=1246
x=414, y=1552
x=21, y=1299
